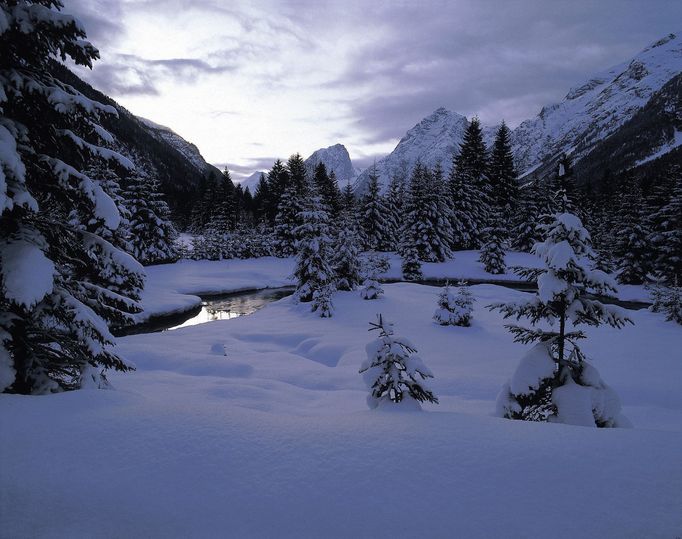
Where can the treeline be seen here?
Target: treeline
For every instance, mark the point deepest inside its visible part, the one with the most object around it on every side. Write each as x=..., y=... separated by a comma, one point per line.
x=481, y=204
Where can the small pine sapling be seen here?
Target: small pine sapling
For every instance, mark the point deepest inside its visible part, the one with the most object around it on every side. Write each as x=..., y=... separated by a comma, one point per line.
x=454, y=309
x=393, y=372
x=553, y=381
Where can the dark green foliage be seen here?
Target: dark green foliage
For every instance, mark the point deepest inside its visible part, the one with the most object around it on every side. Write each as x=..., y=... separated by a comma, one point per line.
x=55, y=221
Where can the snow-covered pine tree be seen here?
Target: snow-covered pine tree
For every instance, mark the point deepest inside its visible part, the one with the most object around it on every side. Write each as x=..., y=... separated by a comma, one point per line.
x=328, y=190
x=152, y=235
x=371, y=288
x=504, y=188
x=492, y=252
x=666, y=235
x=427, y=218
x=393, y=372
x=61, y=283
x=668, y=300
x=525, y=232
x=291, y=205
x=109, y=180
x=322, y=300
x=411, y=267
x=554, y=382
x=455, y=309
x=348, y=202
x=278, y=180
x=346, y=261
x=373, y=214
x=313, y=261
x=395, y=208
x=469, y=189
x=631, y=238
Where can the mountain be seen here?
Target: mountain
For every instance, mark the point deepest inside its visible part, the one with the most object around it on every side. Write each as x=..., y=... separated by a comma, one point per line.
x=188, y=150
x=432, y=140
x=251, y=182
x=592, y=111
x=337, y=159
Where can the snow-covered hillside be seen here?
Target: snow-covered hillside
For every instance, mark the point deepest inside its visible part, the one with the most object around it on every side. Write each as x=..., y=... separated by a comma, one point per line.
x=186, y=149
x=432, y=140
x=593, y=110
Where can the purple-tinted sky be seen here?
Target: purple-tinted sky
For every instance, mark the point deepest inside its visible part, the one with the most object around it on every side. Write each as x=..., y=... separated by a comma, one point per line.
x=251, y=81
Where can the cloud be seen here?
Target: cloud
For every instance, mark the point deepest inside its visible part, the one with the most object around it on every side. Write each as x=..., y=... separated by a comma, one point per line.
x=128, y=74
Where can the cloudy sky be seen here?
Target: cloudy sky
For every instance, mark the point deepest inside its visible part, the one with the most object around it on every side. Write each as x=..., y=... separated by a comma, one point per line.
x=251, y=81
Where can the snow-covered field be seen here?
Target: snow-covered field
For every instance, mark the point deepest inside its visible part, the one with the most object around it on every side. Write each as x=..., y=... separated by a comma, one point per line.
x=258, y=427
x=173, y=288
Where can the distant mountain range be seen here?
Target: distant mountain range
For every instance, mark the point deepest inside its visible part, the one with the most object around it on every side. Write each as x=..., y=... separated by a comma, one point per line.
x=619, y=118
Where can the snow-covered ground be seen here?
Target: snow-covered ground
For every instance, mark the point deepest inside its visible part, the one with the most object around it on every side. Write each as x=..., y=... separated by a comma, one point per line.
x=173, y=288
x=258, y=427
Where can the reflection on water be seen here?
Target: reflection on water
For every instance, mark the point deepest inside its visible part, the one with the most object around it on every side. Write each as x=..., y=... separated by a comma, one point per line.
x=229, y=306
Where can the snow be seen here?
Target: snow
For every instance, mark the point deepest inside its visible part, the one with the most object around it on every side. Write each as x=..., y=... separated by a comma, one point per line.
x=535, y=366
x=27, y=274
x=258, y=426
x=675, y=142
x=174, y=288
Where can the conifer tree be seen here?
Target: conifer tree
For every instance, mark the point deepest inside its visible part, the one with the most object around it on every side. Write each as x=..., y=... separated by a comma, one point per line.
x=287, y=221
x=427, y=219
x=668, y=300
x=298, y=175
x=411, y=267
x=61, y=282
x=373, y=215
x=328, y=189
x=395, y=208
x=525, y=229
x=504, y=189
x=470, y=189
x=393, y=372
x=545, y=386
x=313, y=262
x=666, y=235
x=492, y=252
x=152, y=234
x=454, y=309
x=631, y=245
x=346, y=262
x=348, y=202
x=278, y=180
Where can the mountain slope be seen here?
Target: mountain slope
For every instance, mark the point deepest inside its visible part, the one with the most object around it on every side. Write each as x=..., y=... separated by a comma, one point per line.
x=592, y=111
x=651, y=133
x=432, y=140
x=188, y=150
x=178, y=174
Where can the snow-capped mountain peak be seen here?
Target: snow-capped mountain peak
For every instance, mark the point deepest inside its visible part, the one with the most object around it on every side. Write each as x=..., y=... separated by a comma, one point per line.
x=432, y=140
x=336, y=158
